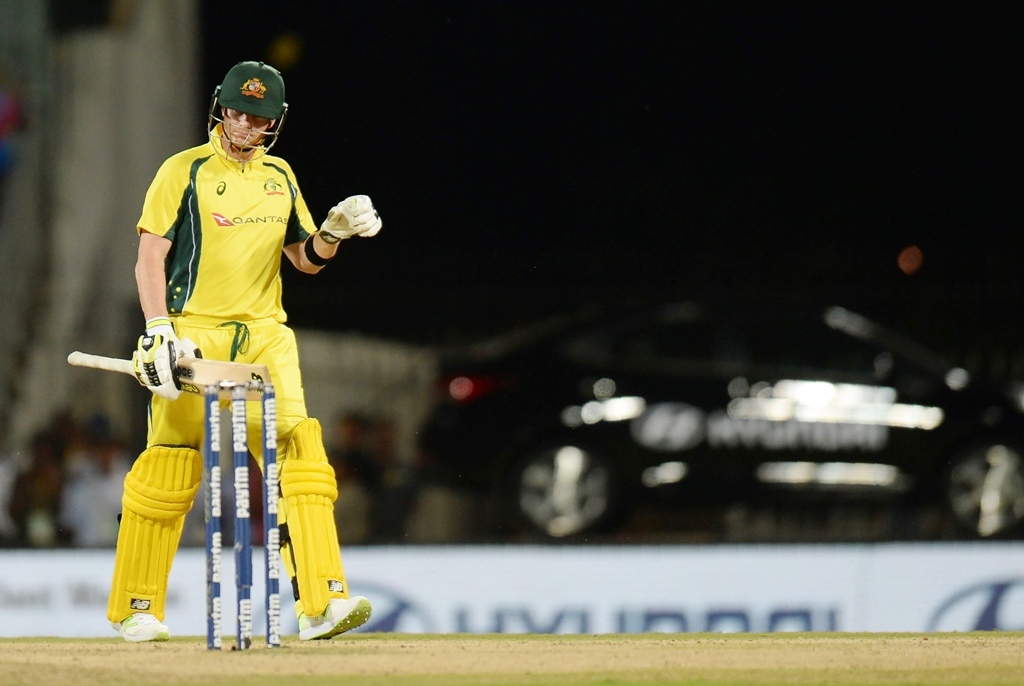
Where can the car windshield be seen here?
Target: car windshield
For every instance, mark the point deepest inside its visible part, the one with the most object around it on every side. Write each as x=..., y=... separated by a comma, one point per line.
x=835, y=344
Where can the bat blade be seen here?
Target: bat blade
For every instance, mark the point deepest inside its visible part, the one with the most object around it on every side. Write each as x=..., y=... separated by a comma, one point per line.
x=193, y=373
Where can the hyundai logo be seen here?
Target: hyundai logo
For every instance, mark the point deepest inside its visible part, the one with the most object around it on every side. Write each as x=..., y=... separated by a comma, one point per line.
x=394, y=612
x=990, y=606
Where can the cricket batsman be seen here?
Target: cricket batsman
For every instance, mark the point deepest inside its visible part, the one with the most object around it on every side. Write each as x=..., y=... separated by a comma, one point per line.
x=214, y=223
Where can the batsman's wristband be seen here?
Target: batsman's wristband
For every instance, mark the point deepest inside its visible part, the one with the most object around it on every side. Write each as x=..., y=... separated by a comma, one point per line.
x=312, y=255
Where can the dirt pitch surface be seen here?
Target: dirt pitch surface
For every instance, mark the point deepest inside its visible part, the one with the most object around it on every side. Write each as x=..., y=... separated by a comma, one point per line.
x=405, y=659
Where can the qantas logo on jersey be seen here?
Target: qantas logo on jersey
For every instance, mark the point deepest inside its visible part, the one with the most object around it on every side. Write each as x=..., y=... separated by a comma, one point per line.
x=221, y=220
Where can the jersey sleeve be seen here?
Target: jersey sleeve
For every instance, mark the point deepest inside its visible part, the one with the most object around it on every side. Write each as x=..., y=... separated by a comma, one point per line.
x=164, y=198
x=300, y=221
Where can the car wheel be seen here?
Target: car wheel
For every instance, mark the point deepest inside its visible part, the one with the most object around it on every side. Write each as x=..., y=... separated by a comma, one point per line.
x=566, y=490
x=985, y=489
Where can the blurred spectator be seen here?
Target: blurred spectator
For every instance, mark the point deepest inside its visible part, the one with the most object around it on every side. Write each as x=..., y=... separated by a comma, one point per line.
x=376, y=490
x=395, y=488
x=65, y=431
x=11, y=121
x=8, y=475
x=36, y=500
x=356, y=474
x=351, y=455
x=94, y=480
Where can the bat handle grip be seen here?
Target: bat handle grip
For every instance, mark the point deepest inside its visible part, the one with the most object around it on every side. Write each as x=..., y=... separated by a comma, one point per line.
x=112, y=364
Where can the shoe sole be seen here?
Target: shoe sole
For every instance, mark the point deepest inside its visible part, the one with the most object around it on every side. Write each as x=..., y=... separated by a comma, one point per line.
x=160, y=637
x=356, y=618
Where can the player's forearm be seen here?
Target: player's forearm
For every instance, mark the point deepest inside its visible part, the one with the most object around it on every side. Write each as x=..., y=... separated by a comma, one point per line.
x=152, y=291
x=322, y=253
x=323, y=249
x=150, y=276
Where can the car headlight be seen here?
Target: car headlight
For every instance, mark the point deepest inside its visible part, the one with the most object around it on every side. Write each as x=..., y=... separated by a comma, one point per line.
x=1016, y=396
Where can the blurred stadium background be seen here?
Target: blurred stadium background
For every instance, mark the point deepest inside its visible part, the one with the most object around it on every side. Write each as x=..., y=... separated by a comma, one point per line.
x=108, y=90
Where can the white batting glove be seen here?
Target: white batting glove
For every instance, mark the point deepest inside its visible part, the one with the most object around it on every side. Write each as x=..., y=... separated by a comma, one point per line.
x=353, y=216
x=154, y=358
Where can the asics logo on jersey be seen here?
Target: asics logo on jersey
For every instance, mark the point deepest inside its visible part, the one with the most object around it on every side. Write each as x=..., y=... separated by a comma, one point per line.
x=221, y=220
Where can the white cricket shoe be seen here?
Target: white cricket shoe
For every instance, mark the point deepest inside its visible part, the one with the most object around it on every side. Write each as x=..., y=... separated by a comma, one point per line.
x=340, y=616
x=141, y=627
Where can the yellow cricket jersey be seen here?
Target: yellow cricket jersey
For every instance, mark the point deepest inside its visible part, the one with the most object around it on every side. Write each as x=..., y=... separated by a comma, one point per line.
x=228, y=224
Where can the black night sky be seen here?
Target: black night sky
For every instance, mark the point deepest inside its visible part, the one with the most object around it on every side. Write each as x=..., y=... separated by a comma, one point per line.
x=527, y=156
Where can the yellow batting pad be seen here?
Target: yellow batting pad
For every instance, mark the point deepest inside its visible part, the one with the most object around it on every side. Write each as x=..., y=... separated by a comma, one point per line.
x=308, y=490
x=309, y=479
x=158, y=493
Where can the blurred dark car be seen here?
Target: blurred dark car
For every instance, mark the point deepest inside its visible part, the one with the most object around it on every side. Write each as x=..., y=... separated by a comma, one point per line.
x=570, y=425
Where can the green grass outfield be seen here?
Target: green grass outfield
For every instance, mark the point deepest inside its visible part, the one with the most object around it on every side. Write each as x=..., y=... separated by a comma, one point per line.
x=836, y=659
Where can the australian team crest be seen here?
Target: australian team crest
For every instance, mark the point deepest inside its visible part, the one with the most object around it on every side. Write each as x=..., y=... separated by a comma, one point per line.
x=271, y=187
x=254, y=88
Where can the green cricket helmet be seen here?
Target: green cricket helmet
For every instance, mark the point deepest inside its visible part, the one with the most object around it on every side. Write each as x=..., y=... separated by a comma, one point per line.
x=255, y=88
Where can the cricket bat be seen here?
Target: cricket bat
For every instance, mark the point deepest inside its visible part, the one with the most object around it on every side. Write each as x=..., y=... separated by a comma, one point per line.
x=193, y=373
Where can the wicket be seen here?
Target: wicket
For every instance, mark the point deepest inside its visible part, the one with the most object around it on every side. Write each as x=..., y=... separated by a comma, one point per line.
x=239, y=394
